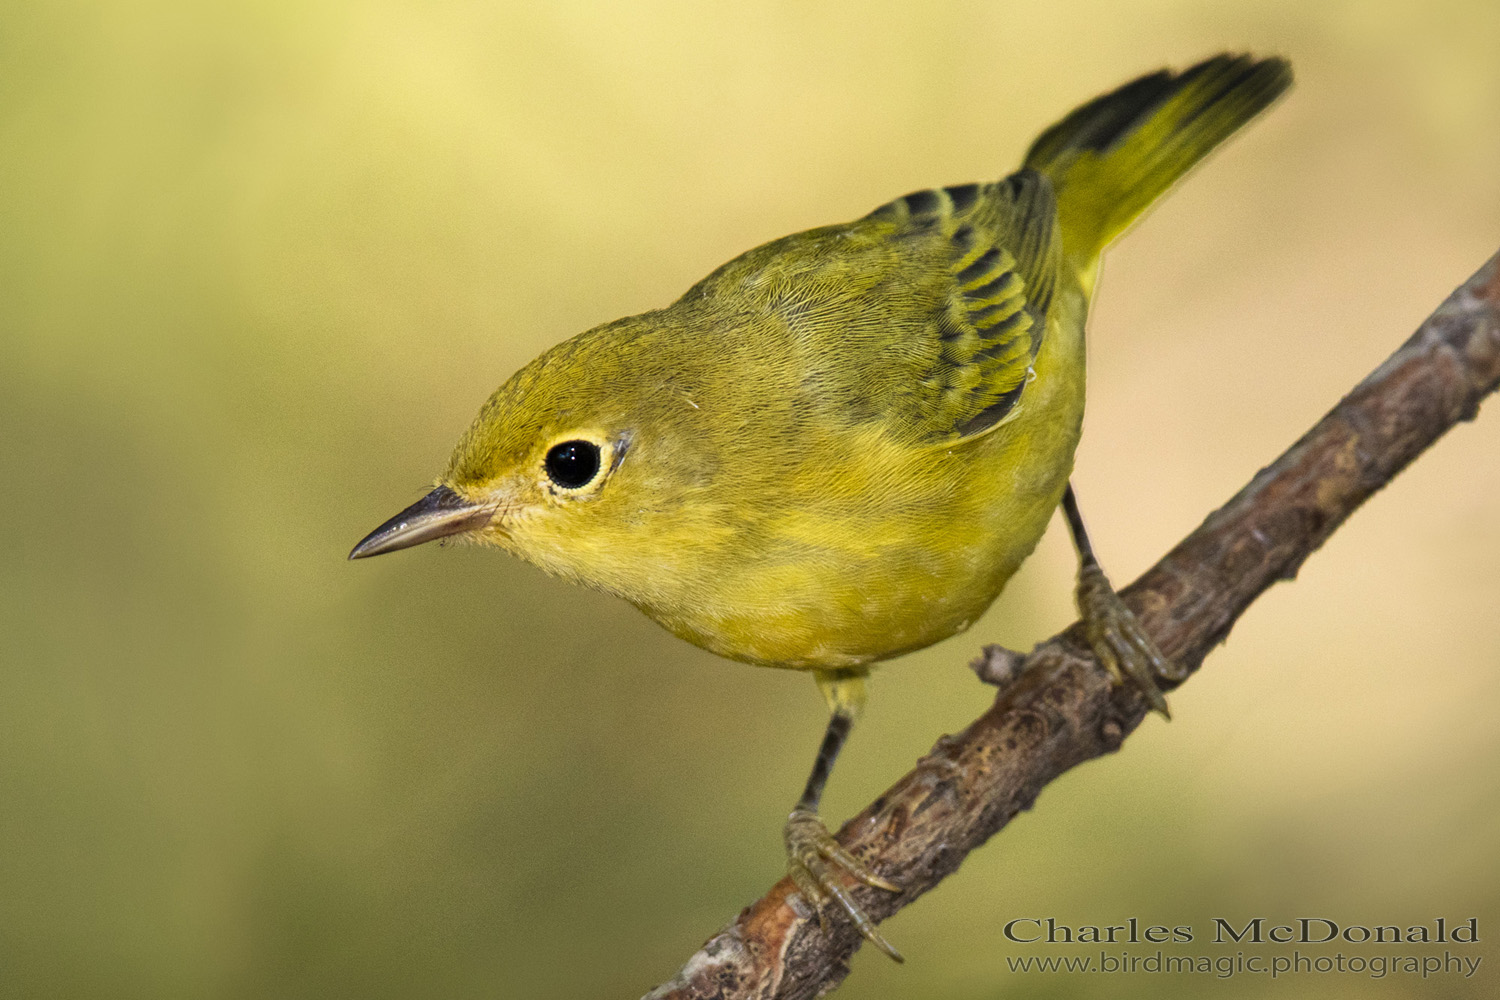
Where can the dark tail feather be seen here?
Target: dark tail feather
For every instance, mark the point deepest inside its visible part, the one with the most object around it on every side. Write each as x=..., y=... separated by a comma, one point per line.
x=1110, y=159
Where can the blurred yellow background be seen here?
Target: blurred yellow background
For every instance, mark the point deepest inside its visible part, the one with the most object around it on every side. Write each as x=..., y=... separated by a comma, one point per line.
x=260, y=262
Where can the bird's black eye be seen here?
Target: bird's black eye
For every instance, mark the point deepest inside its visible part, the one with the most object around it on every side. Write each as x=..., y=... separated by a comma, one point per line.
x=573, y=464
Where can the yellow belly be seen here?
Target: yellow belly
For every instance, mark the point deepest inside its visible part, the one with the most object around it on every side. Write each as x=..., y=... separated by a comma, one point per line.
x=927, y=539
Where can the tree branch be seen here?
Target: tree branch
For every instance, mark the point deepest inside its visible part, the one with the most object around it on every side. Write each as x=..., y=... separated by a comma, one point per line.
x=1061, y=708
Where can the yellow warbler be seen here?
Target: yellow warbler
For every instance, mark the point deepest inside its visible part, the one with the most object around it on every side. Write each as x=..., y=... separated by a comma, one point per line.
x=838, y=446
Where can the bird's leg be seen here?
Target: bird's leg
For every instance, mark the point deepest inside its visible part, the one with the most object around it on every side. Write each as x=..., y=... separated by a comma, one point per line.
x=1114, y=633
x=818, y=863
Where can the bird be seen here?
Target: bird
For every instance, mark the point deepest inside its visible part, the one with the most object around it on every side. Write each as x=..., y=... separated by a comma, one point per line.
x=838, y=446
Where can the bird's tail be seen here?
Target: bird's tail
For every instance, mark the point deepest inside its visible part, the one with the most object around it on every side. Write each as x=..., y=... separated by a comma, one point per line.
x=1110, y=159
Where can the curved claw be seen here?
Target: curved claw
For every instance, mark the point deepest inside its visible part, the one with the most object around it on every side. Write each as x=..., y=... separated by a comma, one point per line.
x=1116, y=636
x=817, y=864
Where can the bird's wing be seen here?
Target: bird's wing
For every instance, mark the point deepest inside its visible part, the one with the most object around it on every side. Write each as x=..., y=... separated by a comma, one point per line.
x=1001, y=269
x=925, y=314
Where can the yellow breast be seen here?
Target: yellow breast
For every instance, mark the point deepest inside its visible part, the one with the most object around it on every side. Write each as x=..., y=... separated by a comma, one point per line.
x=912, y=545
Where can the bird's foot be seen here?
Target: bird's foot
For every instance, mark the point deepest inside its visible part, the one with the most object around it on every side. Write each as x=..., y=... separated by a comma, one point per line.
x=818, y=865
x=1118, y=640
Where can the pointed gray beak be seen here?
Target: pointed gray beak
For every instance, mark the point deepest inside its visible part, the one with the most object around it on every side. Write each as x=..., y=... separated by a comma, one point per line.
x=437, y=515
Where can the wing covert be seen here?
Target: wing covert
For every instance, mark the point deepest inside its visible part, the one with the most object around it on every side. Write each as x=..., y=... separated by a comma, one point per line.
x=925, y=314
x=1001, y=270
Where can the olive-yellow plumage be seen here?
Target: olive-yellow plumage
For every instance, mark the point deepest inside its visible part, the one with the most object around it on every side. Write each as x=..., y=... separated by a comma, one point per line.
x=824, y=459
x=838, y=447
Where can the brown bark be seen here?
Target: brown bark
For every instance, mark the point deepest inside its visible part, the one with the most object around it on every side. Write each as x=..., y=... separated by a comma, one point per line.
x=1061, y=709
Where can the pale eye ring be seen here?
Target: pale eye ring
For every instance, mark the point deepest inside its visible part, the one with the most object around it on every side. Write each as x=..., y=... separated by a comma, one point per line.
x=572, y=465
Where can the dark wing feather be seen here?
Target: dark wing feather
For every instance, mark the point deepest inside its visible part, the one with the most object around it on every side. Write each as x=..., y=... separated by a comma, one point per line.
x=999, y=275
x=925, y=314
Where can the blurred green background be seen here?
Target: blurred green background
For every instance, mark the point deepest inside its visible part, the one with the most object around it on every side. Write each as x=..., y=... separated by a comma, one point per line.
x=260, y=262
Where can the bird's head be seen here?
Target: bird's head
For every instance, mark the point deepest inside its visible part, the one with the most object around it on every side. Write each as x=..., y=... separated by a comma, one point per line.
x=589, y=462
